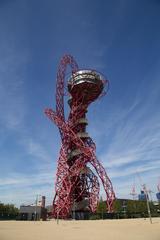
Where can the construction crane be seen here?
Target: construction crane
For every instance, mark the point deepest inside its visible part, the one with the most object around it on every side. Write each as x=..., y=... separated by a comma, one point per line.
x=133, y=191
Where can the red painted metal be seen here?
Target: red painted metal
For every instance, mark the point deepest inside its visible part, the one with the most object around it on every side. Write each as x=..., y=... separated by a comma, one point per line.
x=75, y=181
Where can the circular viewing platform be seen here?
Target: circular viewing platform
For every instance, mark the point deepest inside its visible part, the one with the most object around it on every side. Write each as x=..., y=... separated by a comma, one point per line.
x=86, y=84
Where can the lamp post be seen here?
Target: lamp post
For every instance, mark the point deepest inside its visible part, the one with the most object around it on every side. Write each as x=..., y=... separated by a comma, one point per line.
x=35, y=213
x=147, y=201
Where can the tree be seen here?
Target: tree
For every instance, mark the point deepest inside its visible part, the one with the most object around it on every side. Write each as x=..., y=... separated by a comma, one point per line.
x=8, y=210
x=101, y=207
x=117, y=206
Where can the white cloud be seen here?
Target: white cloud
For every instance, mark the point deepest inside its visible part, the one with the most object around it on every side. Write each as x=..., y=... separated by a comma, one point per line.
x=20, y=188
x=35, y=149
x=128, y=138
x=12, y=76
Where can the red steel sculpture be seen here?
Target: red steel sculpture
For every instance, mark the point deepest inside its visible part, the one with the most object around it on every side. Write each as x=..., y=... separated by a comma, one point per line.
x=77, y=185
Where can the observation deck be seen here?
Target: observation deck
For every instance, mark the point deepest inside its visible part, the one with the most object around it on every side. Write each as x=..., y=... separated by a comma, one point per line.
x=86, y=85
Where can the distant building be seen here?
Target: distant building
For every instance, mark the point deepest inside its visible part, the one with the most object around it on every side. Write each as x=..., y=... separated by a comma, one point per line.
x=158, y=196
x=142, y=196
x=33, y=212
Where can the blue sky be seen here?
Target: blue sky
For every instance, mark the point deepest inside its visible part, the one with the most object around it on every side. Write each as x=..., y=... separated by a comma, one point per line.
x=121, y=39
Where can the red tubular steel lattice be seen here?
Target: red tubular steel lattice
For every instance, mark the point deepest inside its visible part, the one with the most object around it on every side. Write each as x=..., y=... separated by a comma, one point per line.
x=77, y=186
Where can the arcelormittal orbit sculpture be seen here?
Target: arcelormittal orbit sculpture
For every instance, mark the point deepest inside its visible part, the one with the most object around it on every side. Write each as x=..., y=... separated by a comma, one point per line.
x=77, y=185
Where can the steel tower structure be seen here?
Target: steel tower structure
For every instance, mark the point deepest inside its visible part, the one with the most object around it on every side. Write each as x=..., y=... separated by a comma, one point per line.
x=77, y=185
